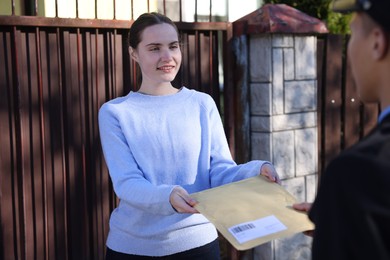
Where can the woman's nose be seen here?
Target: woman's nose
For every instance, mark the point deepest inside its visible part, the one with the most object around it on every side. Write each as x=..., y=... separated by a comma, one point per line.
x=166, y=55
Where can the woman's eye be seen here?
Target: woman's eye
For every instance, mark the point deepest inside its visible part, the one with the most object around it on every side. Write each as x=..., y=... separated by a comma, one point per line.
x=174, y=46
x=154, y=49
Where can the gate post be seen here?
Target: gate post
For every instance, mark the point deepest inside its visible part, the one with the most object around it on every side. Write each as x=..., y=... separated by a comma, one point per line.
x=275, y=47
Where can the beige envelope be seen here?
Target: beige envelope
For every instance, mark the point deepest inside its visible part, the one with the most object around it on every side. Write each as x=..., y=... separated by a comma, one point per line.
x=251, y=212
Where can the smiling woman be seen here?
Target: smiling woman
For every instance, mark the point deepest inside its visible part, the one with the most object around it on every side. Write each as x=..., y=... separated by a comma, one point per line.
x=162, y=143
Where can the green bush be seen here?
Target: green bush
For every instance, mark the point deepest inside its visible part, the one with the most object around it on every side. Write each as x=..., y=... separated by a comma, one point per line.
x=336, y=23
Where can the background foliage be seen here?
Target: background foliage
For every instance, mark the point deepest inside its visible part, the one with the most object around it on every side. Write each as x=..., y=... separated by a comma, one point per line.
x=337, y=23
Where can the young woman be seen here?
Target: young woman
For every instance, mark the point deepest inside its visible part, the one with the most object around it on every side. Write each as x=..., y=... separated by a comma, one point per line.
x=161, y=144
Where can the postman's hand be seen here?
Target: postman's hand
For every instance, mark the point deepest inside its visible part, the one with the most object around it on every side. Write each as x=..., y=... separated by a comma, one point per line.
x=305, y=207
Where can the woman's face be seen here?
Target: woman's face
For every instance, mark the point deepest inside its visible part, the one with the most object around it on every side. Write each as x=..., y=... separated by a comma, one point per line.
x=158, y=55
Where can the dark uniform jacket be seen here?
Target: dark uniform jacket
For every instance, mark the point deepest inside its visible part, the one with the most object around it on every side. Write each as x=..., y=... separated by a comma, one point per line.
x=351, y=212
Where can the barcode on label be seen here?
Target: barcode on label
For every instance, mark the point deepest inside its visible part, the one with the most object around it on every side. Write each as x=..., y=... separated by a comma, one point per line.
x=261, y=227
x=241, y=228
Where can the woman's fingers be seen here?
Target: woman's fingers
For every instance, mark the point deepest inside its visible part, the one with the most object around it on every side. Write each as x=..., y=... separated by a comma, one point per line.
x=181, y=201
x=268, y=171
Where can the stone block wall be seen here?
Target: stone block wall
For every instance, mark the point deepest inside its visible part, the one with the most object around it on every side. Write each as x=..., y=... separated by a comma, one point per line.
x=283, y=122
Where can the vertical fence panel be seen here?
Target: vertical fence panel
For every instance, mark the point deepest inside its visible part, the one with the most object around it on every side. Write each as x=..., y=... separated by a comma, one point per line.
x=18, y=188
x=229, y=106
x=90, y=63
x=75, y=150
x=185, y=71
x=105, y=69
x=197, y=72
x=321, y=65
x=332, y=102
x=204, y=62
x=8, y=204
x=41, y=185
x=352, y=106
x=64, y=49
x=54, y=145
x=26, y=111
x=48, y=242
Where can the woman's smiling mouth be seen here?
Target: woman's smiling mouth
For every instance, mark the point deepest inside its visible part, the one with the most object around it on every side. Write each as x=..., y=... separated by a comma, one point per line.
x=166, y=68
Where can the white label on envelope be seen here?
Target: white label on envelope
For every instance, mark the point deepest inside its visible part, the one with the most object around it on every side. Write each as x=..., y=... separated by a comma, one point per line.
x=258, y=228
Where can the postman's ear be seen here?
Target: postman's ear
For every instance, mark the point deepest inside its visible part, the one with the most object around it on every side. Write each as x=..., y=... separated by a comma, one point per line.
x=133, y=54
x=380, y=47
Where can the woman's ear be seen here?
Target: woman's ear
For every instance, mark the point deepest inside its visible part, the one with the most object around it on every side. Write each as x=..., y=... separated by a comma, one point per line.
x=133, y=54
x=380, y=43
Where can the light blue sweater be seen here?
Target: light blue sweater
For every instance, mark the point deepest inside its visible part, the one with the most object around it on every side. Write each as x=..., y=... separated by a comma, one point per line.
x=151, y=144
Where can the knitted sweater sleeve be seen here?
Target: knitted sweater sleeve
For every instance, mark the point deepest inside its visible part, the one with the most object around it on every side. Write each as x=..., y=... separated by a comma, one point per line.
x=223, y=168
x=128, y=181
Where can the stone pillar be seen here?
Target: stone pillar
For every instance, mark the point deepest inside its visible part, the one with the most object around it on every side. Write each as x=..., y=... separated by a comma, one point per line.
x=282, y=84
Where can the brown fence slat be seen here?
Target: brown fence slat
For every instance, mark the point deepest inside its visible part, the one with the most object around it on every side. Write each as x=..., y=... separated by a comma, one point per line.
x=321, y=65
x=332, y=102
x=74, y=147
x=228, y=93
x=53, y=145
x=38, y=169
x=197, y=73
x=25, y=192
x=48, y=194
x=352, y=110
x=20, y=241
x=62, y=180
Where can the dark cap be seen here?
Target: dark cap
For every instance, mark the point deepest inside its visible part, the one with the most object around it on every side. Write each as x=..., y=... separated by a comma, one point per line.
x=377, y=9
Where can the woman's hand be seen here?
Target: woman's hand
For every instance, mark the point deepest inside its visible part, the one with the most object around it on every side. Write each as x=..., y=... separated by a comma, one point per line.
x=181, y=201
x=267, y=170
